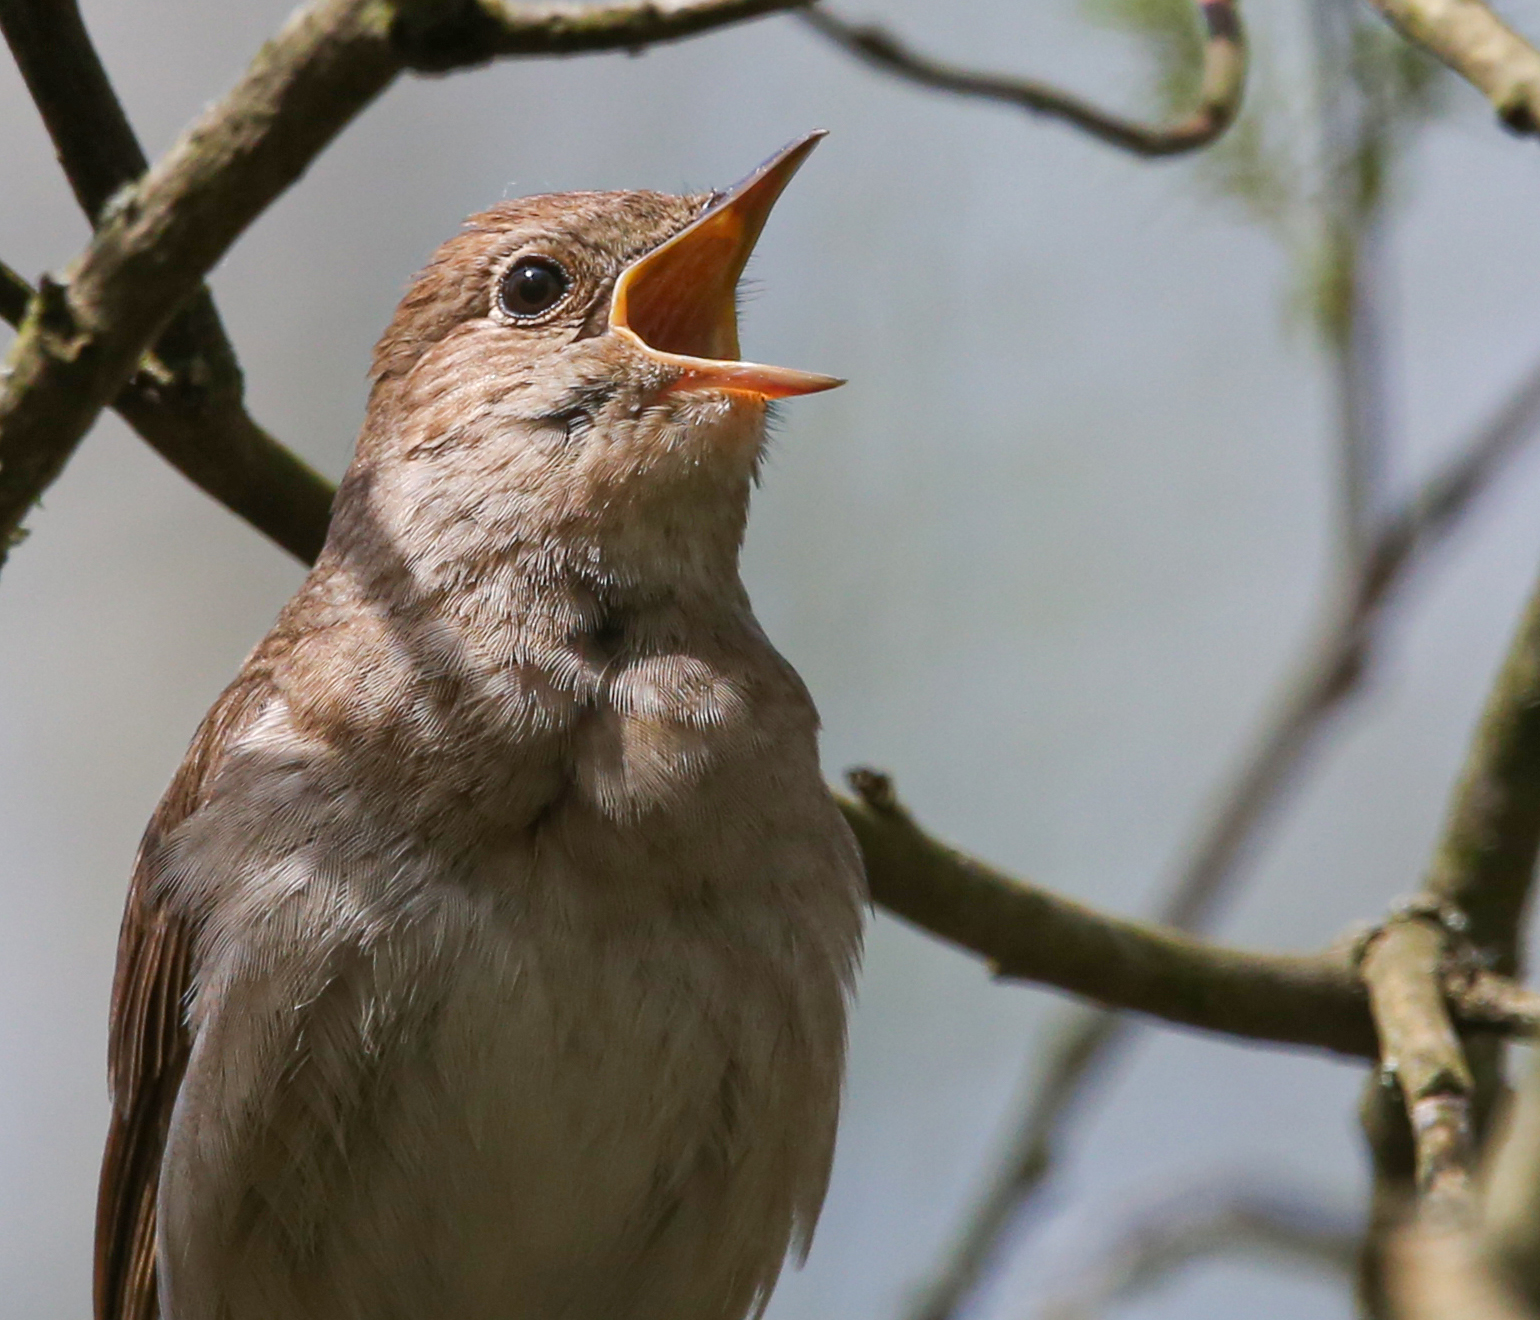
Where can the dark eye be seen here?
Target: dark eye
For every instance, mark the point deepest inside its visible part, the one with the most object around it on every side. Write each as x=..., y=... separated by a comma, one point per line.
x=532, y=286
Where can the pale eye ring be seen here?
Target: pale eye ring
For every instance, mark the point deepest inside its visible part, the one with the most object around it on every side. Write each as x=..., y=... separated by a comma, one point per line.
x=532, y=286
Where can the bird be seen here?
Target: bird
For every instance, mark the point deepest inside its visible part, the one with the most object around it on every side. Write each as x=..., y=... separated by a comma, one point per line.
x=490, y=954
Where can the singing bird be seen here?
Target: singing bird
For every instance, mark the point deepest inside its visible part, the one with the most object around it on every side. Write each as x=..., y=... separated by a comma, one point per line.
x=488, y=957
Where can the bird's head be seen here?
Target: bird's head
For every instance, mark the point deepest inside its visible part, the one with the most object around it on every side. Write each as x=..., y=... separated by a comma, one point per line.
x=568, y=367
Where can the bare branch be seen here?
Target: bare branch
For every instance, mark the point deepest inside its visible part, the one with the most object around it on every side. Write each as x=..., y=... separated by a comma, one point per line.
x=15, y=294
x=1484, y=1271
x=1403, y=969
x=1468, y=37
x=1316, y=1001
x=189, y=405
x=1218, y=100
x=90, y=131
x=437, y=36
x=207, y=435
x=1484, y=996
x=159, y=239
x=1220, y=1221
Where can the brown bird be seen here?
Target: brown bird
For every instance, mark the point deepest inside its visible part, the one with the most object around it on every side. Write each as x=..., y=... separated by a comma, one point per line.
x=488, y=956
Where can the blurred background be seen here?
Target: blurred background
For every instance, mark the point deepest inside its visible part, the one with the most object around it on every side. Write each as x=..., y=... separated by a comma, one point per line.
x=1045, y=558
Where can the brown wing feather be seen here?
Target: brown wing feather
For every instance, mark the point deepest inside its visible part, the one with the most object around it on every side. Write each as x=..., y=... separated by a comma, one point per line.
x=148, y=1042
x=148, y=1052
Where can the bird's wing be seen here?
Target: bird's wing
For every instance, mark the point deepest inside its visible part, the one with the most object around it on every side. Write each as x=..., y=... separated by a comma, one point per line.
x=148, y=1039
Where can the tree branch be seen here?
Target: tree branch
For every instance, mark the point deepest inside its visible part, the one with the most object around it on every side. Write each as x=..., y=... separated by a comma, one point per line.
x=1027, y=933
x=189, y=406
x=208, y=436
x=1403, y=970
x=1218, y=101
x=1468, y=37
x=158, y=239
x=94, y=140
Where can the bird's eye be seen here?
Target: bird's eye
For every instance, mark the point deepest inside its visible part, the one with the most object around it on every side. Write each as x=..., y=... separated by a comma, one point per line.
x=532, y=286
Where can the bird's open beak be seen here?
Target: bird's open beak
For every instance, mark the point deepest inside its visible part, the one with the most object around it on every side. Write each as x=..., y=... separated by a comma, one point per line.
x=679, y=301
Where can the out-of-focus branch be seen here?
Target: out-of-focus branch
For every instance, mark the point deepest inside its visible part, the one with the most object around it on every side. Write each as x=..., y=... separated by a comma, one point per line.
x=1226, y=1221
x=1468, y=37
x=1027, y=933
x=1218, y=100
x=1446, y=1275
x=1511, y=1209
x=1331, y=672
x=1354, y=148
x=1443, y=500
x=1485, y=864
x=159, y=238
x=189, y=404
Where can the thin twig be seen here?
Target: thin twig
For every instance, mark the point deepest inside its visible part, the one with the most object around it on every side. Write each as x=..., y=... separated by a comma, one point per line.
x=159, y=238
x=1225, y=1220
x=1218, y=99
x=1468, y=37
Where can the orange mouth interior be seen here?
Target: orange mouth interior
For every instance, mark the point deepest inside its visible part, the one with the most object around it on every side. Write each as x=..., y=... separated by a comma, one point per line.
x=679, y=302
